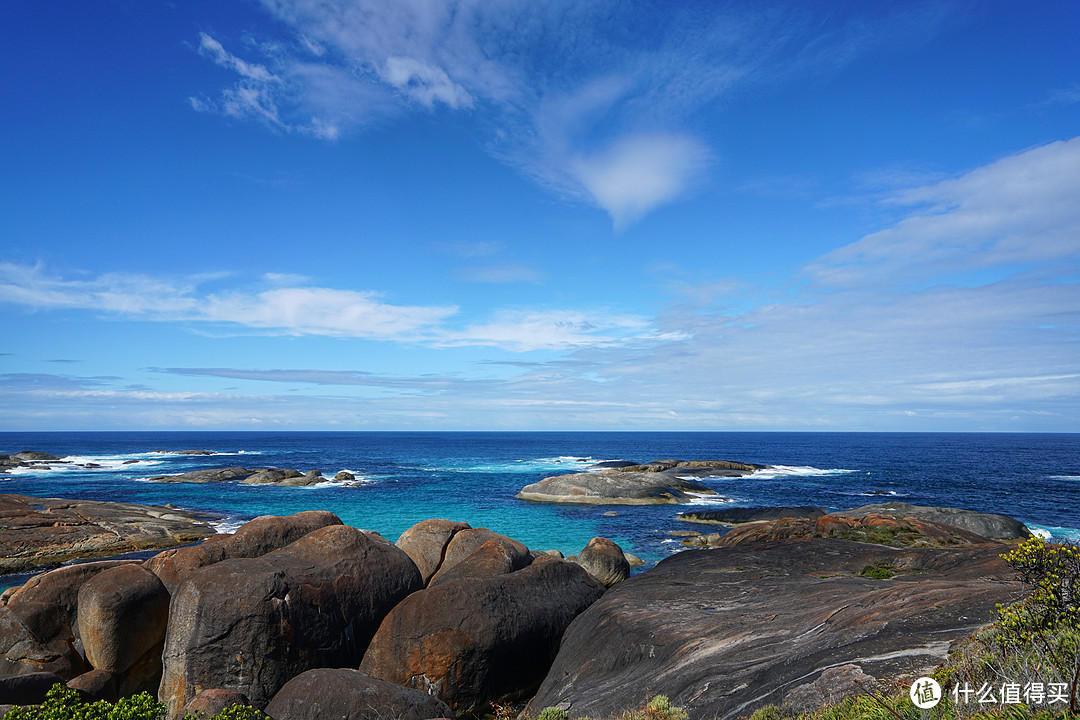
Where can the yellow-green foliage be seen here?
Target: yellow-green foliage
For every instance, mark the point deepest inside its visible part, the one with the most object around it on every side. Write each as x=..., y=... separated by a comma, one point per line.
x=656, y=708
x=63, y=703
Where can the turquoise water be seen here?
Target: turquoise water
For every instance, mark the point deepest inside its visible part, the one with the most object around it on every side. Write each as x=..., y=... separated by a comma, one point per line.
x=402, y=478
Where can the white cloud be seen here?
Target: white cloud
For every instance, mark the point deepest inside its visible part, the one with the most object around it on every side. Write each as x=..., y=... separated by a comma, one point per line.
x=638, y=173
x=525, y=331
x=291, y=310
x=564, y=96
x=425, y=84
x=1021, y=209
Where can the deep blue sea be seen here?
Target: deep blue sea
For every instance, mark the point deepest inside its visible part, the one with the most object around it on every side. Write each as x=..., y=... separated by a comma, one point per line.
x=402, y=478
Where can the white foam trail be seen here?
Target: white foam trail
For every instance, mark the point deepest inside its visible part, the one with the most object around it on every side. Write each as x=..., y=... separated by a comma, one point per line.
x=1054, y=532
x=775, y=471
x=701, y=499
x=227, y=526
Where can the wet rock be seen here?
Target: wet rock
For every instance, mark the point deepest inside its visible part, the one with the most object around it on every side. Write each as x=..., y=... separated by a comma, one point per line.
x=205, y=476
x=726, y=631
x=350, y=694
x=477, y=640
x=344, y=476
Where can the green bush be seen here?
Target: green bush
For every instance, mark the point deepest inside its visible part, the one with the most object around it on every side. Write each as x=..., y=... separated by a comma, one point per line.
x=63, y=703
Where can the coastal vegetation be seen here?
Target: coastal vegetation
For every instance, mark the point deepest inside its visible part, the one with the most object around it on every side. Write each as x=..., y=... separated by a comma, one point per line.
x=63, y=703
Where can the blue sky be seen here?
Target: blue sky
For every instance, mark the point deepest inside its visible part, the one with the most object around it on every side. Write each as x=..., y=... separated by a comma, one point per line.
x=512, y=214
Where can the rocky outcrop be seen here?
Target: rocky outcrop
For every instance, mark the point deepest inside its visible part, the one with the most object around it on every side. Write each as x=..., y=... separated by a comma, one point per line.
x=624, y=483
x=38, y=622
x=252, y=624
x=351, y=695
x=122, y=615
x=614, y=487
x=475, y=640
x=212, y=701
x=605, y=561
x=892, y=530
x=258, y=537
x=725, y=631
x=39, y=532
x=740, y=515
x=426, y=541
x=988, y=525
x=249, y=476
x=25, y=458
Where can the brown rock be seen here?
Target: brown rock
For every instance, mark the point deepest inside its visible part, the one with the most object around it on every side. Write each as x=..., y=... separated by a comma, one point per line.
x=476, y=640
x=122, y=614
x=253, y=539
x=498, y=556
x=38, y=532
x=38, y=622
x=426, y=541
x=351, y=695
x=95, y=685
x=605, y=561
x=251, y=624
x=212, y=701
x=27, y=689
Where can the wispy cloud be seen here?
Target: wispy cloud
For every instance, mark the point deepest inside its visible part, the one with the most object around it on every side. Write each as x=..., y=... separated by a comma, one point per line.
x=298, y=310
x=597, y=101
x=309, y=310
x=1020, y=210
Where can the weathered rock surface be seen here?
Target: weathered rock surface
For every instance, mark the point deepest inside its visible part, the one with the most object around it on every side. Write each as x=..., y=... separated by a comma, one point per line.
x=262, y=535
x=988, y=525
x=38, y=622
x=252, y=624
x=246, y=476
x=739, y=515
x=605, y=561
x=207, y=475
x=499, y=555
x=122, y=616
x=725, y=631
x=27, y=689
x=211, y=701
x=895, y=531
x=39, y=532
x=351, y=695
x=95, y=685
x=479, y=552
x=614, y=487
x=426, y=541
x=475, y=640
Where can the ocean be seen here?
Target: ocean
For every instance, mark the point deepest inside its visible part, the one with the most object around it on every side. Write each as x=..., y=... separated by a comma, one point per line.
x=403, y=477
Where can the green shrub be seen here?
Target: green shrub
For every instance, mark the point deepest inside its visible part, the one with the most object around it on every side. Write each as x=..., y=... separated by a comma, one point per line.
x=63, y=703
